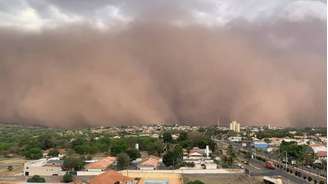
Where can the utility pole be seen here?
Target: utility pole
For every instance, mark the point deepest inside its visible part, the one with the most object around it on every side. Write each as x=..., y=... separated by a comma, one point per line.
x=286, y=160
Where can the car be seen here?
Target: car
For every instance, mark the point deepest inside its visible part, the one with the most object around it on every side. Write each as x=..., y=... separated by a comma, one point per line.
x=269, y=165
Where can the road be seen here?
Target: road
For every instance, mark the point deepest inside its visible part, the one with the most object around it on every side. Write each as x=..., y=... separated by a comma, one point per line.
x=257, y=168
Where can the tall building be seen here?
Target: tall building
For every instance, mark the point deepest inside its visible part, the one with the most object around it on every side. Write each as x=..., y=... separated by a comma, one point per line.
x=234, y=126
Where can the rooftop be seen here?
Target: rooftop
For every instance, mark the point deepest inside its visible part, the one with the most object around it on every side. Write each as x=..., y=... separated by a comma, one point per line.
x=101, y=164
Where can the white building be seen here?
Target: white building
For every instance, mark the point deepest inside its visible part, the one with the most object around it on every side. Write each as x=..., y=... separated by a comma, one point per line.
x=44, y=167
x=201, y=158
x=235, y=139
x=234, y=126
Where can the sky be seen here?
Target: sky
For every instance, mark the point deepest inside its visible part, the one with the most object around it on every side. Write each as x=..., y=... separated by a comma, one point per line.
x=90, y=63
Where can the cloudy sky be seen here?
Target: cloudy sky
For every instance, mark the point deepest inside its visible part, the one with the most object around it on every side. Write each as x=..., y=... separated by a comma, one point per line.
x=36, y=15
x=82, y=63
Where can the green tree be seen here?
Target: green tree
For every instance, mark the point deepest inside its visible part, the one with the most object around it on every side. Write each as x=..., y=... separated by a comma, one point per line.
x=36, y=179
x=231, y=155
x=53, y=153
x=133, y=153
x=68, y=177
x=167, y=137
x=10, y=168
x=196, y=182
x=73, y=163
x=173, y=157
x=182, y=136
x=46, y=142
x=123, y=161
x=33, y=153
x=119, y=146
x=294, y=151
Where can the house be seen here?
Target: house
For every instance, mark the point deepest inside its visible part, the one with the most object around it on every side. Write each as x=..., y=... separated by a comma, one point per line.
x=112, y=177
x=322, y=154
x=200, y=158
x=44, y=167
x=151, y=163
x=100, y=165
x=320, y=150
x=196, y=153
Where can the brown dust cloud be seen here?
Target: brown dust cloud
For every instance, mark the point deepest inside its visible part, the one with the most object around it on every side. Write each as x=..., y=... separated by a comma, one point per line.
x=154, y=71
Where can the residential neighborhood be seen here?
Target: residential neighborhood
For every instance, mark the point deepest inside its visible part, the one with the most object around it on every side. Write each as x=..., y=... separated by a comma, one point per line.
x=175, y=154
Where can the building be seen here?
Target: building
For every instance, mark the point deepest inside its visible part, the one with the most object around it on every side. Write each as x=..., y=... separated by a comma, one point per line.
x=154, y=177
x=235, y=139
x=200, y=158
x=234, y=126
x=100, y=165
x=151, y=163
x=320, y=150
x=260, y=145
x=112, y=177
x=44, y=167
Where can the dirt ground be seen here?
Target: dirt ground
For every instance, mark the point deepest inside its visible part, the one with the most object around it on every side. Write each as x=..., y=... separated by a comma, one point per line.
x=222, y=179
x=16, y=163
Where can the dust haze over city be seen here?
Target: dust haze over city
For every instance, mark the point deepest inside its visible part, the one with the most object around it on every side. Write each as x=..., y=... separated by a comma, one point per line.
x=92, y=63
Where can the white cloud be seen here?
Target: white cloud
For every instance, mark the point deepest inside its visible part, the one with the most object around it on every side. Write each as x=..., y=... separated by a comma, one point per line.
x=300, y=10
x=224, y=11
x=25, y=15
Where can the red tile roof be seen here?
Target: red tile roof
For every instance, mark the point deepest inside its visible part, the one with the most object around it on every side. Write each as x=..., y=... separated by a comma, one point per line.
x=322, y=154
x=101, y=164
x=110, y=177
x=150, y=161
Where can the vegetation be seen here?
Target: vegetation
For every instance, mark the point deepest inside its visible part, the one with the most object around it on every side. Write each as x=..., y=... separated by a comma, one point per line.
x=36, y=179
x=10, y=168
x=33, y=153
x=53, y=153
x=167, y=137
x=68, y=177
x=229, y=158
x=73, y=163
x=133, y=153
x=123, y=161
x=173, y=157
x=195, y=182
x=300, y=153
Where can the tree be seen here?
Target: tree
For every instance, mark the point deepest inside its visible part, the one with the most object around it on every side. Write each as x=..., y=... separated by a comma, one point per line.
x=119, y=146
x=182, y=136
x=36, y=179
x=46, y=142
x=33, y=153
x=73, y=163
x=133, y=153
x=53, y=153
x=167, y=137
x=123, y=161
x=68, y=177
x=173, y=157
x=294, y=151
x=231, y=156
x=196, y=182
x=10, y=168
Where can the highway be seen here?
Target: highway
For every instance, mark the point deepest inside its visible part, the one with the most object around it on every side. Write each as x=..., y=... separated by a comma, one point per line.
x=256, y=168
